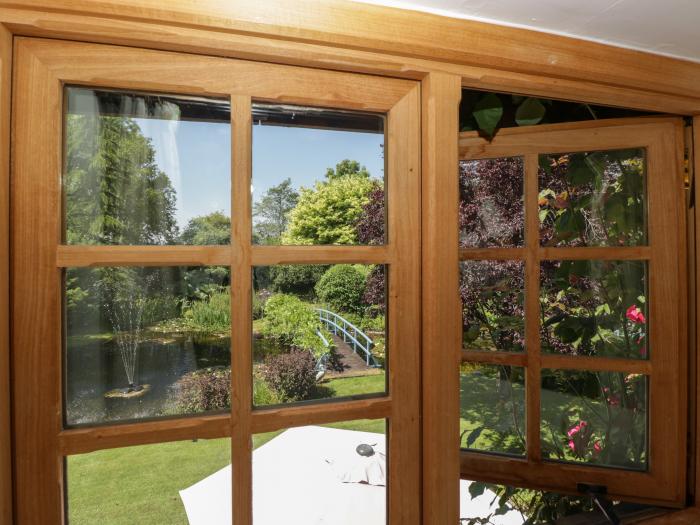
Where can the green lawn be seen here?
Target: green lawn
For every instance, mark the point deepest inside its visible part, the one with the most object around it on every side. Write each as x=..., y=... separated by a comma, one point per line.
x=140, y=485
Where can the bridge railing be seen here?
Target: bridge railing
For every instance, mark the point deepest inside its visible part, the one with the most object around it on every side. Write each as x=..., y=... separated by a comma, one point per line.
x=350, y=333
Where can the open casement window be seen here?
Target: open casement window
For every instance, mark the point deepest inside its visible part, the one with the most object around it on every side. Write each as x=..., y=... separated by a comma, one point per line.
x=97, y=230
x=572, y=260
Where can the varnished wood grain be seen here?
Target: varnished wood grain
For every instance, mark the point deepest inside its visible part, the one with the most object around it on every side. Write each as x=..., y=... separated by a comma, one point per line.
x=695, y=321
x=281, y=418
x=241, y=311
x=5, y=435
x=268, y=255
x=440, y=302
x=341, y=34
x=36, y=292
x=76, y=256
x=495, y=358
x=90, y=439
x=403, y=289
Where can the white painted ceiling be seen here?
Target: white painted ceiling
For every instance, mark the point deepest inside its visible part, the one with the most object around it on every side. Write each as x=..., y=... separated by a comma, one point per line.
x=667, y=27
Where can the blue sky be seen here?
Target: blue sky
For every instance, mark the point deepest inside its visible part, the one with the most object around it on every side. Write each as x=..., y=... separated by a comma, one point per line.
x=196, y=157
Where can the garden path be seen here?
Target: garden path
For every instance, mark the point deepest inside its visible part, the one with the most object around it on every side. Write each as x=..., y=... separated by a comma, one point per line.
x=353, y=364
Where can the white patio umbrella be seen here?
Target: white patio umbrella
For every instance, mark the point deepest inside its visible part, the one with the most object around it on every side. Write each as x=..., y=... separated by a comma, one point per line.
x=297, y=481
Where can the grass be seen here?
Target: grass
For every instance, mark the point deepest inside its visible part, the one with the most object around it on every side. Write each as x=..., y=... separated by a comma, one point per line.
x=141, y=484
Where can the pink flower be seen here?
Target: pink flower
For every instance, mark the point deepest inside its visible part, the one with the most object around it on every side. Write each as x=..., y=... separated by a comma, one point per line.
x=576, y=429
x=572, y=445
x=635, y=315
x=597, y=448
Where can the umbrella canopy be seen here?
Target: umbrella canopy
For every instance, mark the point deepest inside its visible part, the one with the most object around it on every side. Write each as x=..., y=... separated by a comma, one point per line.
x=297, y=480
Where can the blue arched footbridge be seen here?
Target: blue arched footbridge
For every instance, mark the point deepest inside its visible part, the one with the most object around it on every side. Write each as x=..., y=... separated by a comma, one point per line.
x=350, y=335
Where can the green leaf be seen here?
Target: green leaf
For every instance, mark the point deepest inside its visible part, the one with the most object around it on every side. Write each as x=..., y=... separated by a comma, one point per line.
x=530, y=112
x=488, y=112
x=476, y=489
x=474, y=435
x=580, y=171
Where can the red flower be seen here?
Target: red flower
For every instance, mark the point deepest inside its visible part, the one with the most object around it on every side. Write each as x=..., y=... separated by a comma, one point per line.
x=635, y=315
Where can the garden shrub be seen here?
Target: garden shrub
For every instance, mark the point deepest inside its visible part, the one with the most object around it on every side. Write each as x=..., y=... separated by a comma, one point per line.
x=290, y=320
x=211, y=314
x=204, y=390
x=297, y=279
x=291, y=375
x=342, y=288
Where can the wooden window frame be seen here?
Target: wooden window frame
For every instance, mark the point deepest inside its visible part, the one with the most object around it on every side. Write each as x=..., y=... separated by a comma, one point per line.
x=662, y=138
x=42, y=69
x=345, y=36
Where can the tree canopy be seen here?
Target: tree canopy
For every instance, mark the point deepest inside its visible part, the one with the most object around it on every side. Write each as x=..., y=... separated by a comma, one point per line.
x=272, y=210
x=328, y=212
x=115, y=192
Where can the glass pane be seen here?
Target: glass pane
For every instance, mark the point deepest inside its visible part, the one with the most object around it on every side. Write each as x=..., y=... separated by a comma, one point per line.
x=146, y=169
x=146, y=342
x=335, y=474
x=493, y=316
x=593, y=199
x=595, y=417
x=492, y=408
x=318, y=332
x=150, y=484
x=595, y=308
x=318, y=176
x=491, y=210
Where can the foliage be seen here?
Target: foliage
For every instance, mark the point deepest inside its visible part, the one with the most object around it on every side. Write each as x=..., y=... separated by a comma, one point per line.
x=211, y=229
x=291, y=375
x=290, y=320
x=262, y=393
x=204, y=390
x=211, y=314
x=259, y=300
x=115, y=193
x=539, y=508
x=371, y=222
x=297, y=279
x=342, y=288
x=346, y=167
x=272, y=210
x=490, y=209
x=328, y=212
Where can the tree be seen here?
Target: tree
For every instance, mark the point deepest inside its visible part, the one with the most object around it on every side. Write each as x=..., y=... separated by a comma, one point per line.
x=328, y=212
x=272, y=210
x=115, y=192
x=214, y=228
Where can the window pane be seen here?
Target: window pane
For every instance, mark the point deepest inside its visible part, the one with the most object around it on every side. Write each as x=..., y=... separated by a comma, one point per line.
x=318, y=176
x=593, y=199
x=491, y=202
x=318, y=332
x=492, y=408
x=595, y=417
x=335, y=474
x=146, y=342
x=493, y=316
x=595, y=308
x=149, y=484
x=146, y=169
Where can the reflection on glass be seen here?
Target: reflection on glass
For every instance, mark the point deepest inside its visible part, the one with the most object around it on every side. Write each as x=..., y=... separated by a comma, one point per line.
x=593, y=199
x=595, y=308
x=595, y=417
x=493, y=317
x=146, y=342
x=492, y=408
x=318, y=176
x=146, y=169
x=491, y=202
x=318, y=332
x=333, y=473
x=488, y=503
x=150, y=484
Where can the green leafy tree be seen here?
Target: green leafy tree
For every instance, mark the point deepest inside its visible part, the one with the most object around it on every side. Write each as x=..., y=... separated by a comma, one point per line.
x=294, y=323
x=342, y=288
x=272, y=210
x=214, y=228
x=115, y=192
x=328, y=212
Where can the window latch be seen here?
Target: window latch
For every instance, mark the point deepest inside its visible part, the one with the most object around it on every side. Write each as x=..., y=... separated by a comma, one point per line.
x=598, y=493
